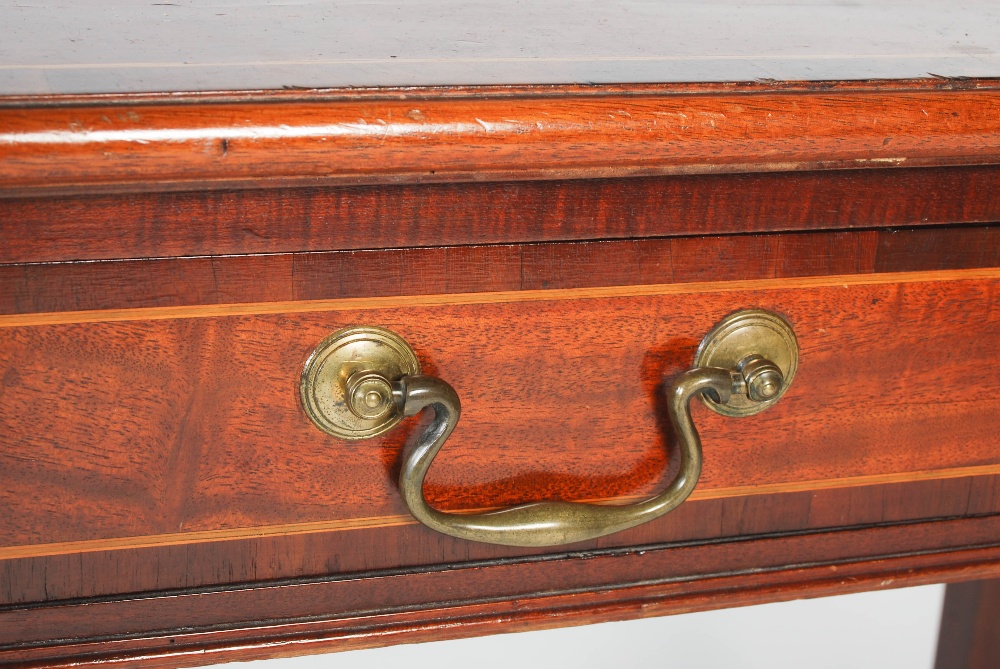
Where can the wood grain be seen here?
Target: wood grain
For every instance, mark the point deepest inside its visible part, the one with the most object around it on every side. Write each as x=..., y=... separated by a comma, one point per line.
x=500, y=297
x=296, y=94
x=970, y=626
x=293, y=220
x=191, y=627
x=77, y=548
x=430, y=139
x=199, y=562
x=168, y=261
x=49, y=287
x=206, y=432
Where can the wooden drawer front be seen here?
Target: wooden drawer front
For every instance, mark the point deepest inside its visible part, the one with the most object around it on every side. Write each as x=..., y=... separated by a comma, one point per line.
x=179, y=427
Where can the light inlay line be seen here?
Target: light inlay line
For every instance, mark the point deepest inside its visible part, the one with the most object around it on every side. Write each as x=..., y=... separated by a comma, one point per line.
x=350, y=524
x=378, y=522
x=455, y=299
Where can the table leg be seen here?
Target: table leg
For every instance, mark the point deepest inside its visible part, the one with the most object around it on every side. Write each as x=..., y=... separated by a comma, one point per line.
x=970, y=626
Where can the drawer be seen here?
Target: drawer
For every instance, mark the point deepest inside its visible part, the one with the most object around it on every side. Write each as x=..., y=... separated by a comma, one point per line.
x=172, y=442
x=165, y=498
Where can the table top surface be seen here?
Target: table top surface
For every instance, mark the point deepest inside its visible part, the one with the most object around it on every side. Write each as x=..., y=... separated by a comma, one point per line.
x=109, y=47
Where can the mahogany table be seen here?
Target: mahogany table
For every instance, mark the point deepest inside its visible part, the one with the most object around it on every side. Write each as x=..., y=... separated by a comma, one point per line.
x=239, y=242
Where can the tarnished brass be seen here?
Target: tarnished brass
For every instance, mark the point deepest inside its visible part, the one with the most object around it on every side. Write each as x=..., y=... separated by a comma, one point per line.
x=347, y=383
x=762, y=347
x=753, y=354
x=549, y=523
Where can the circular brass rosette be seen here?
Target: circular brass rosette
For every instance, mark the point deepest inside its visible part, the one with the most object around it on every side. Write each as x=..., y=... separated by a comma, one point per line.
x=737, y=337
x=347, y=382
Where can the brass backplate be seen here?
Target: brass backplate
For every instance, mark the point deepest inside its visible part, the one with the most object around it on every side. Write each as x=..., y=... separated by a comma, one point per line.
x=744, y=333
x=324, y=379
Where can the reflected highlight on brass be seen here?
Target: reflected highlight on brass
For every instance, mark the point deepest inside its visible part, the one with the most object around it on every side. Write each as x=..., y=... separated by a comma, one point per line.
x=762, y=347
x=749, y=383
x=346, y=386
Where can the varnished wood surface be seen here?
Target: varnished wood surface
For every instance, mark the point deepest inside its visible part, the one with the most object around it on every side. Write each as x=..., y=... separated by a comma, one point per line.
x=206, y=432
x=944, y=481
x=298, y=94
x=179, y=628
x=501, y=297
x=429, y=138
x=93, y=227
x=970, y=626
x=171, y=504
x=167, y=282
x=204, y=562
x=105, y=46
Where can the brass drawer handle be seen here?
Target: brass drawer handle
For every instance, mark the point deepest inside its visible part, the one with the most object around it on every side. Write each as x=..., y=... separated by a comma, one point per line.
x=370, y=378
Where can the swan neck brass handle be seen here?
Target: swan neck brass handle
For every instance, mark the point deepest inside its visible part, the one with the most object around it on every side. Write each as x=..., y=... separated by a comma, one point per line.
x=548, y=523
x=760, y=353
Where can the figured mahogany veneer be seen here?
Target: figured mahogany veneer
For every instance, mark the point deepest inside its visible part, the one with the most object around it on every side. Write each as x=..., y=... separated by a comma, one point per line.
x=42, y=287
x=176, y=425
x=145, y=225
x=167, y=263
